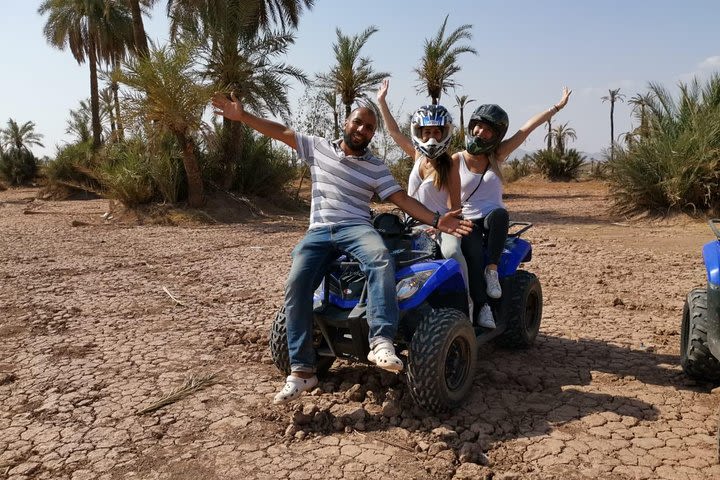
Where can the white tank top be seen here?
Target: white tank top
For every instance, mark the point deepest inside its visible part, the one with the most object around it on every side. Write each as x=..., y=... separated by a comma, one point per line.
x=424, y=191
x=486, y=198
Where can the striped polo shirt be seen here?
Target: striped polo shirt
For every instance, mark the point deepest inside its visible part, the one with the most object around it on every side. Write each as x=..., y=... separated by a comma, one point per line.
x=342, y=186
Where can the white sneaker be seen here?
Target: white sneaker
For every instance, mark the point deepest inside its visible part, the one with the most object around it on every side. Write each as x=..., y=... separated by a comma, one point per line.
x=486, y=317
x=493, y=283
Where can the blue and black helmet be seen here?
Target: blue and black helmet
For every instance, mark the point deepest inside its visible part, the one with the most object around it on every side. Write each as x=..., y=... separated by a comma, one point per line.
x=431, y=116
x=494, y=116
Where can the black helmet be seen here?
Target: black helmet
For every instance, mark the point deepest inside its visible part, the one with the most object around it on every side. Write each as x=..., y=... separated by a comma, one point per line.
x=494, y=116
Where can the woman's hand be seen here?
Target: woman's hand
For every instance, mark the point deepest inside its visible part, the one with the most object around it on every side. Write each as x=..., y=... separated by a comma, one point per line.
x=382, y=91
x=565, y=97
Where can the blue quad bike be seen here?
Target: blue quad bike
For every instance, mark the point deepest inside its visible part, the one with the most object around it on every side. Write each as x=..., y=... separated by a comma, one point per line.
x=700, y=330
x=434, y=333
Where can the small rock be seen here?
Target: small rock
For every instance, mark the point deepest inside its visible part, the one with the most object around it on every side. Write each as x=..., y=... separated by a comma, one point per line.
x=618, y=302
x=469, y=453
x=299, y=418
x=445, y=433
x=356, y=393
x=391, y=408
x=358, y=414
x=300, y=434
x=436, y=448
x=290, y=431
x=310, y=409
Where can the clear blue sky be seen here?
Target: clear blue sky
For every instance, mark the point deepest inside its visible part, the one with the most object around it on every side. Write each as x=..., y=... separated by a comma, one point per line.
x=527, y=51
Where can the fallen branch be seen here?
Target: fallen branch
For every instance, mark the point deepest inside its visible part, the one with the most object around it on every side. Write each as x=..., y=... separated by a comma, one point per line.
x=191, y=384
x=178, y=302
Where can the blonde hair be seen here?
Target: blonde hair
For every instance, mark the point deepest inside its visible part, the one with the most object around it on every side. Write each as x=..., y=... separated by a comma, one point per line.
x=495, y=166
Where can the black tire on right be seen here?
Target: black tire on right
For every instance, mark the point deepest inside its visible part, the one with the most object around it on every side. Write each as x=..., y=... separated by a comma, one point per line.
x=695, y=357
x=279, y=348
x=522, y=311
x=441, y=360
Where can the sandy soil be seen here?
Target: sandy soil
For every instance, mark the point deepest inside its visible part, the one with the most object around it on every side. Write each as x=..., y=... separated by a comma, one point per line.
x=89, y=336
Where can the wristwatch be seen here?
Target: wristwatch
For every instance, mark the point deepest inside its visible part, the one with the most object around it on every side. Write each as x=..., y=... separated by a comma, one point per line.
x=436, y=219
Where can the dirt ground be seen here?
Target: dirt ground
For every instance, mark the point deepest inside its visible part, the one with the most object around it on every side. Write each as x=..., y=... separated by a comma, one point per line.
x=90, y=334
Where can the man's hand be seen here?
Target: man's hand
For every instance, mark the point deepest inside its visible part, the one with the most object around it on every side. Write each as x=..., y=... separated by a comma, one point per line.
x=452, y=223
x=227, y=107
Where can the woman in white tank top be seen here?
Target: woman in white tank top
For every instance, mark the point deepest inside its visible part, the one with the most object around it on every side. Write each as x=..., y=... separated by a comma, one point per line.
x=481, y=192
x=434, y=180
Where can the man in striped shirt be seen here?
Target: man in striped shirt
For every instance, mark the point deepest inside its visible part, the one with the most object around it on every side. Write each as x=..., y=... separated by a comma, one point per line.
x=345, y=175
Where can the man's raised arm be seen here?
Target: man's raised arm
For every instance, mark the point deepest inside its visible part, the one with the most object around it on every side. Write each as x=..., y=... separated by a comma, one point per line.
x=232, y=108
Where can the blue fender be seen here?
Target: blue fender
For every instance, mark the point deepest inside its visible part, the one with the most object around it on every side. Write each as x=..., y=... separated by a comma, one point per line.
x=711, y=255
x=516, y=250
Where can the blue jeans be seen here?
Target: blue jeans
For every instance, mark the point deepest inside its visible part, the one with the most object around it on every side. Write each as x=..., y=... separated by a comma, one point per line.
x=310, y=260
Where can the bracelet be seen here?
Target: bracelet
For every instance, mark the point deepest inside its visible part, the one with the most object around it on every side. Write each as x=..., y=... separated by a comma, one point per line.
x=436, y=219
x=557, y=109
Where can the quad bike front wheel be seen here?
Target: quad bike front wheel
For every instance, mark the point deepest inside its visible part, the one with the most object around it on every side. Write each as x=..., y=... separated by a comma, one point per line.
x=522, y=310
x=279, y=347
x=441, y=360
x=695, y=356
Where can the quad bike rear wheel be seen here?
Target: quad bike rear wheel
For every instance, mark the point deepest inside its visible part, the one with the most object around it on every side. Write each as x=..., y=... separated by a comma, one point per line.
x=522, y=310
x=279, y=347
x=695, y=356
x=441, y=360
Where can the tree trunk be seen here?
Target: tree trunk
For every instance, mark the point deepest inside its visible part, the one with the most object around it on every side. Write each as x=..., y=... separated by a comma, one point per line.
x=612, y=131
x=196, y=196
x=114, y=86
x=232, y=150
x=348, y=109
x=94, y=96
x=462, y=123
x=549, y=136
x=336, y=124
x=141, y=46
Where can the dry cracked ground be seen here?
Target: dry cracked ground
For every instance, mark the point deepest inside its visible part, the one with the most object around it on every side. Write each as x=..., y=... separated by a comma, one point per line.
x=100, y=318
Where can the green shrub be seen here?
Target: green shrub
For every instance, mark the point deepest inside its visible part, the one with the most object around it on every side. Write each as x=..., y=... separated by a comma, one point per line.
x=518, y=167
x=598, y=170
x=557, y=166
x=73, y=167
x=675, y=164
x=401, y=170
x=17, y=165
x=124, y=173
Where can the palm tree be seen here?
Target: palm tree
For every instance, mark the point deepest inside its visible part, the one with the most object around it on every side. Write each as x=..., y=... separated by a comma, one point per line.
x=20, y=137
x=462, y=101
x=561, y=134
x=239, y=53
x=250, y=16
x=641, y=104
x=612, y=97
x=352, y=77
x=440, y=63
x=329, y=98
x=90, y=29
x=168, y=96
x=139, y=8
x=78, y=124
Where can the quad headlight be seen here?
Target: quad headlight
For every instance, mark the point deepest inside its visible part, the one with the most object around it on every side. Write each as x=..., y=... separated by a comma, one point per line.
x=407, y=287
